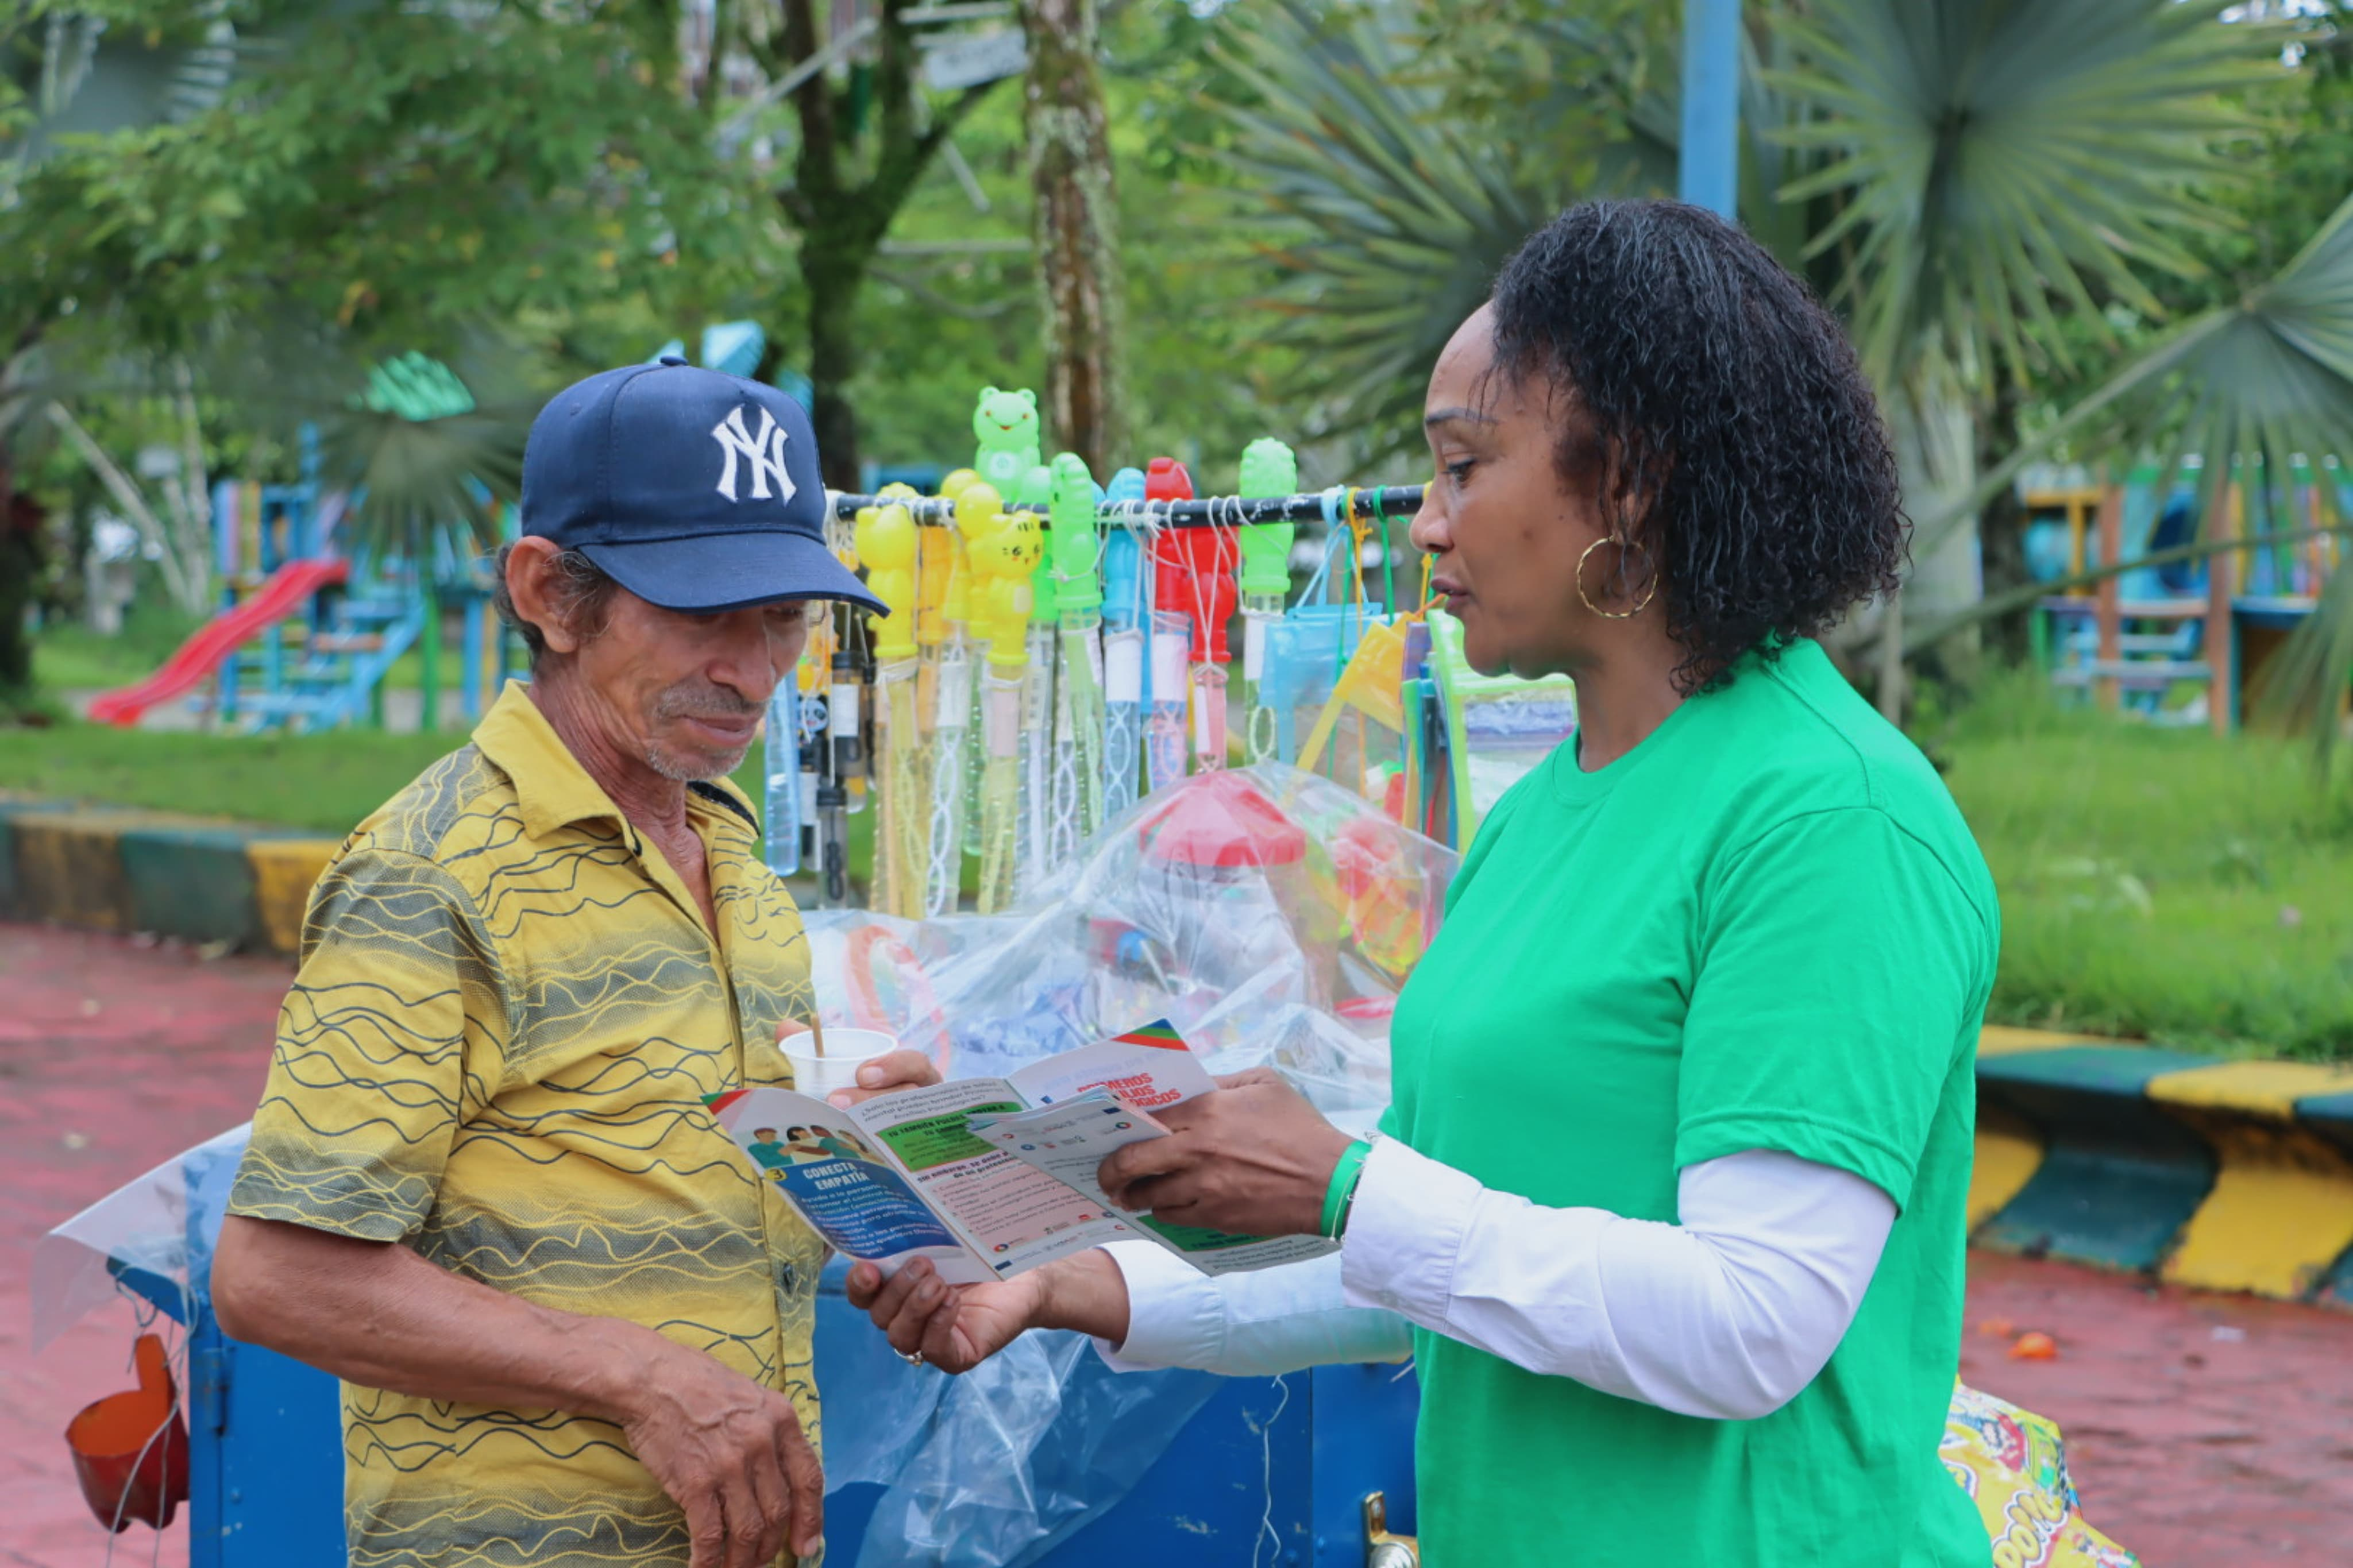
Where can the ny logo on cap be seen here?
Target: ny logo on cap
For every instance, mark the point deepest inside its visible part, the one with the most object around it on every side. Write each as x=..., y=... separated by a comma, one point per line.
x=765, y=453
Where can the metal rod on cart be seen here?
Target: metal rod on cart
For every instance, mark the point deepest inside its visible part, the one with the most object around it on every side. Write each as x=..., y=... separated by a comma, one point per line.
x=1208, y=511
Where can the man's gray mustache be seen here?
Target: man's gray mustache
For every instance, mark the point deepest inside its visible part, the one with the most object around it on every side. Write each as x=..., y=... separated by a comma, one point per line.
x=704, y=704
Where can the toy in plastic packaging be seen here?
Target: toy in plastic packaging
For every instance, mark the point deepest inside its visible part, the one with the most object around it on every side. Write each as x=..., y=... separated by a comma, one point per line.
x=2013, y=1465
x=1260, y=910
x=1498, y=727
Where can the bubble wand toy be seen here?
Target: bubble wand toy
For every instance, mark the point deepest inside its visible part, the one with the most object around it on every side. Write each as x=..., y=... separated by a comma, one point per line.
x=1033, y=845
x=838, y=746
x=1125, y=623
x=980, y=513
x=1210, y=558
x=1268, y=468
x=887, y=544
x=1075, y=554
x=1005, y=432
x=782, y=756
x=943, y=697
x=1001, y=563
x=1163, y=730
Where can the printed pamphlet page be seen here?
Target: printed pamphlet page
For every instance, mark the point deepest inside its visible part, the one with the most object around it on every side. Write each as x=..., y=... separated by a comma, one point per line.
x=988, y=1177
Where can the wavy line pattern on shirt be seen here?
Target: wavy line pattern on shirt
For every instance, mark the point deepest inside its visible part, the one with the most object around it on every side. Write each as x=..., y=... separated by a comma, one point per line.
x=496, y=1051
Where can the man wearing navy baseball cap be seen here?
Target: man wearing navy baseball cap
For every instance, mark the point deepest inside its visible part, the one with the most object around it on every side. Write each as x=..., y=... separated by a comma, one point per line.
x=483, y=1187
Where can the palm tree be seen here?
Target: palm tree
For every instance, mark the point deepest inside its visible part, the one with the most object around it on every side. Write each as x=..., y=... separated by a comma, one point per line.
x=1959, y=178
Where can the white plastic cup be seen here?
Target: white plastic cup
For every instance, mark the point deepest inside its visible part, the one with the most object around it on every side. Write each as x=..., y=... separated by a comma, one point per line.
x=846, y=1050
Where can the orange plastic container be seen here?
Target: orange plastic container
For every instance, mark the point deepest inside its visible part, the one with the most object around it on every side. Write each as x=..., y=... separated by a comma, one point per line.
x=131, y=1449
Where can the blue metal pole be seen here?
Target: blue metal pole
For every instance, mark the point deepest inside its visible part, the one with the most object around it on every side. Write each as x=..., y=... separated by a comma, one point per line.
x=1710, y=167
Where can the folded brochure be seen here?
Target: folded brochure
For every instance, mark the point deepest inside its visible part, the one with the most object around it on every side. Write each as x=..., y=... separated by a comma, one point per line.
x=989, y=1177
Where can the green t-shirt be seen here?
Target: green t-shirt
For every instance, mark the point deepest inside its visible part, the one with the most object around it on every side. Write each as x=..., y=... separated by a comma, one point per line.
x=1765, y=927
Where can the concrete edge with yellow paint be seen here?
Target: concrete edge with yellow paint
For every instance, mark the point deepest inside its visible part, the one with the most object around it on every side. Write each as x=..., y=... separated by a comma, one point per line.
x=110, y=869
x=2232, y=1175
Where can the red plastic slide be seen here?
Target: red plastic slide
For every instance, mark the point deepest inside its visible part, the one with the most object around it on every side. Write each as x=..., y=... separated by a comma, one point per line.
x=196, y=660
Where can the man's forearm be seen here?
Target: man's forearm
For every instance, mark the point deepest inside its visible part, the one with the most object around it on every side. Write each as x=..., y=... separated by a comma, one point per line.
x=378, y=1315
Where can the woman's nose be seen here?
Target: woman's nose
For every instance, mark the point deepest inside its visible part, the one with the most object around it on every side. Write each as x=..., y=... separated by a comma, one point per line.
x=1430, y=531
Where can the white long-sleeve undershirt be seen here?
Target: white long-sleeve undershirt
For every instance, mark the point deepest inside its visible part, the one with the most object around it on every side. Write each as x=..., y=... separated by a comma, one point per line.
x=1727, y=1314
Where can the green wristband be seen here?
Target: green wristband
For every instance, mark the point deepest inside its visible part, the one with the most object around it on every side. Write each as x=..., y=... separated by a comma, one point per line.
x=1342, y=1188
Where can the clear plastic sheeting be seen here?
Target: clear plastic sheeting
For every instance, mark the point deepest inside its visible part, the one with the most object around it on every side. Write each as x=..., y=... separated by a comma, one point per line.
x=153, y=1235
x=1268, y=914
x=994, y=1469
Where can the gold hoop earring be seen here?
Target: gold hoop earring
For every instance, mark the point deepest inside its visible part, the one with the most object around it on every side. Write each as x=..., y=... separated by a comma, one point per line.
x=1640, y=605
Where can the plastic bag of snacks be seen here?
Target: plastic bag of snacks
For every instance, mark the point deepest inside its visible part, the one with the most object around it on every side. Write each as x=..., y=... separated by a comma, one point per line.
x=2014, y=1468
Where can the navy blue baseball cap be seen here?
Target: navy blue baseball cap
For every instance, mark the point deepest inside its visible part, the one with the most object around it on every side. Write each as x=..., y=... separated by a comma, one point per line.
x=692, y=489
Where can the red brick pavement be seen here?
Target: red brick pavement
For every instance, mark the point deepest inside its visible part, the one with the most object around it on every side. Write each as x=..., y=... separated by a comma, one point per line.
x=113, y=1059
x=2203, y=1431
x=2206, y=1432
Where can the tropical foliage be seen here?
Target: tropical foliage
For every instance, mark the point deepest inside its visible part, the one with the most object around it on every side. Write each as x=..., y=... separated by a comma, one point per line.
x=2001, y=198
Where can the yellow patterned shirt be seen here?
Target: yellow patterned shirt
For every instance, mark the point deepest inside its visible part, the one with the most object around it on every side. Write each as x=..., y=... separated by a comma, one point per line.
x=496, y=1051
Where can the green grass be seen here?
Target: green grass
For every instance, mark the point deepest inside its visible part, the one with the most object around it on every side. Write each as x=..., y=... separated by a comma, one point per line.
x=325, y=783
x=69, y=657
x=322, y=782
x=2162, y=883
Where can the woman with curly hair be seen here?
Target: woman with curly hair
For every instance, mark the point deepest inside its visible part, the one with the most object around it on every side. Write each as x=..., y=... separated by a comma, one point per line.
x=1668, y=1207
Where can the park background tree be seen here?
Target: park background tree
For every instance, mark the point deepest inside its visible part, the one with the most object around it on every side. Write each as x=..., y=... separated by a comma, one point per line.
x=1998, y=199
x=1076, y=225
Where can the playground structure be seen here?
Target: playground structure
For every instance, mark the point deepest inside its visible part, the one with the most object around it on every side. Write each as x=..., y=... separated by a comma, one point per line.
x=309, y=634
x=2177, y=641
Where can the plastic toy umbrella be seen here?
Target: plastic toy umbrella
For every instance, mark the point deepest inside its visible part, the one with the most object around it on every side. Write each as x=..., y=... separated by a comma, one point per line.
x=131, y=1449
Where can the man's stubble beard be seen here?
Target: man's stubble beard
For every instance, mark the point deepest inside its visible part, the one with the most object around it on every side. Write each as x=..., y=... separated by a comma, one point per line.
x=701, y=770
x=689, y=700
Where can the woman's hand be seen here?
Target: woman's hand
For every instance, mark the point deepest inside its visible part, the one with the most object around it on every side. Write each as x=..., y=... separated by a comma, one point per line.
x=1253, y=1159
x=957, y=1327
x=890, y=1071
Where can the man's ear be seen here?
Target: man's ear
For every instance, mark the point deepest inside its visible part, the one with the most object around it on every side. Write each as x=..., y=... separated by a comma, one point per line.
x=531, y=566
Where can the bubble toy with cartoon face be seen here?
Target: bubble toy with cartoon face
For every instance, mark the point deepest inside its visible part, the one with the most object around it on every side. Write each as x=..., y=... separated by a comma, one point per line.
x=1005, y=424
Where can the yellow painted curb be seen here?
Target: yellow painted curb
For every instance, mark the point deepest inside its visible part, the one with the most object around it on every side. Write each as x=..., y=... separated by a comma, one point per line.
x=2282, y=1209
x=284, y=872
x=70, y=867
x=2258, y=1088
x=2008, y=1155
x=2001, y=1040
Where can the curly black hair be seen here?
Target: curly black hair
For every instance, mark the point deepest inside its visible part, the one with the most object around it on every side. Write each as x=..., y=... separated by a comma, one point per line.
x=1720, y=414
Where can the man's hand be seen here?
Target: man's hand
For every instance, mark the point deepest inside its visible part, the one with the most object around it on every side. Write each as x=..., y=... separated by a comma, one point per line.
x=957, y=1327
x=730, y=1454
x=952, y=1327
x=890, y=1071
x=1253, y=1159
x=728, y=1451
